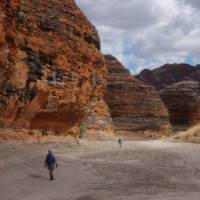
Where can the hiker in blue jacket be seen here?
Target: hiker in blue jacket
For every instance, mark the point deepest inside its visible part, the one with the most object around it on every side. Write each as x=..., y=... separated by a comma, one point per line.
x=50, y=164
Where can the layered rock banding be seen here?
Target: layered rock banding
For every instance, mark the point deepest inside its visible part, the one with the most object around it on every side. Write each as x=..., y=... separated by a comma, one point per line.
x=178, y=85
x=183, y=102
x=133, y=105
x=51, y=66
x=169, y=74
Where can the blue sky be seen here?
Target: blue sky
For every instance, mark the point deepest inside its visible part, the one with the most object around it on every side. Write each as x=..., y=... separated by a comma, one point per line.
x=147, y=33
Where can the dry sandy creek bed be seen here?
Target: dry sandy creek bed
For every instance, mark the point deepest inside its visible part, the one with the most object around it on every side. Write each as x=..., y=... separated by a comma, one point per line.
x=99, y=170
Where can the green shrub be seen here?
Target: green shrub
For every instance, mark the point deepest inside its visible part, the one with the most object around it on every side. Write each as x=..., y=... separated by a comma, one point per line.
x=82, y=130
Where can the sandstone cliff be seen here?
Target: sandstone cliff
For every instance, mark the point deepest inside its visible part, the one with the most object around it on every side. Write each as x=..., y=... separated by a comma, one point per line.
x=133, y=105
x=51, y=66
x=169, y=74
x=183, y=101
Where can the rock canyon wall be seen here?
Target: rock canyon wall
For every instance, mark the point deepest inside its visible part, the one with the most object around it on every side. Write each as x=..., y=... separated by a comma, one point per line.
x=54, y=77
x=51, y=66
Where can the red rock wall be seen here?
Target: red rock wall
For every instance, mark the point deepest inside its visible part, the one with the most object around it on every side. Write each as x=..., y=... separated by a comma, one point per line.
x=133, y=106
x=51, y=66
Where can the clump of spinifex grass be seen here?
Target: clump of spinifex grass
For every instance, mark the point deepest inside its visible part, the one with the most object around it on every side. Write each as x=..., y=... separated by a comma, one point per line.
x=82, y=130
x=191, y=135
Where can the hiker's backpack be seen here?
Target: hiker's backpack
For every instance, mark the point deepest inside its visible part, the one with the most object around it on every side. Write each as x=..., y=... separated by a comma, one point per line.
x=50, y=159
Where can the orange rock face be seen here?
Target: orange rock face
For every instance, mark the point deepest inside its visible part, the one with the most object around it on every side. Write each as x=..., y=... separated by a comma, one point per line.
x=133, y=106
x=51, y=66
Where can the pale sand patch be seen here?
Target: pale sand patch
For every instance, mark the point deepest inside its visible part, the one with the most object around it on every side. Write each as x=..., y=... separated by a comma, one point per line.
x=99, y=170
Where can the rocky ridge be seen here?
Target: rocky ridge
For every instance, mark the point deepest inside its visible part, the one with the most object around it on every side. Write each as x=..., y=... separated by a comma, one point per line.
x=169, y=74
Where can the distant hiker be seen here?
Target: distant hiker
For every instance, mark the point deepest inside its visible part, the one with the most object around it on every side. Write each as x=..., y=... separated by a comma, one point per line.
x=50, y=164
x=120, y=142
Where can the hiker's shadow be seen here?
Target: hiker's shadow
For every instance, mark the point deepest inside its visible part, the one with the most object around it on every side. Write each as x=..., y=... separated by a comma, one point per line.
x=36, y=176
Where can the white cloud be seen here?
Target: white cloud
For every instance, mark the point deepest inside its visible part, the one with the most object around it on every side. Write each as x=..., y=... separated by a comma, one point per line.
x=147, y=33
x=194, y=3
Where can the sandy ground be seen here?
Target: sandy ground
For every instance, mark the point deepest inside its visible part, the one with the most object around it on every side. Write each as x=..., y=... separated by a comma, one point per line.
x=142, y=170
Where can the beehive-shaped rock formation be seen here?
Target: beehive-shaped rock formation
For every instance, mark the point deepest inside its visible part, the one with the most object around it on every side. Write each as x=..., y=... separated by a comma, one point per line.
x=51, y=66
x=133, y=105
x=183, y=101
